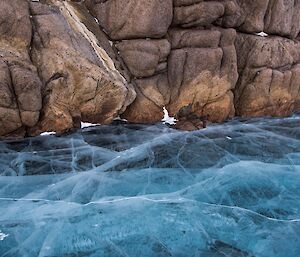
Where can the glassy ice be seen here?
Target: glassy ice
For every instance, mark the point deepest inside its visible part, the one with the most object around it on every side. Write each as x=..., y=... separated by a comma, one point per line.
x=133, y=190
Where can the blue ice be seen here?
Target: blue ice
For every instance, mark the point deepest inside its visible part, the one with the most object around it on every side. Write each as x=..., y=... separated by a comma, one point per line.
x=139, y=191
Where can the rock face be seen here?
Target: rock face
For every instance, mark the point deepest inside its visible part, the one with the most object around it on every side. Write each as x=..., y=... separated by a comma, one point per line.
x=79, y=77
x=127, y=19
x=144, y=58
x=275, y=17
x=269, y=83
x=51, y=52
x=201, y=13
x=205, y=84
x=62, y=62
x=20, y=86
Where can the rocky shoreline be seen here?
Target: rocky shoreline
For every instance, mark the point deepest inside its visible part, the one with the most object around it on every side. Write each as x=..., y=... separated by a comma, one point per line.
x=63, y=62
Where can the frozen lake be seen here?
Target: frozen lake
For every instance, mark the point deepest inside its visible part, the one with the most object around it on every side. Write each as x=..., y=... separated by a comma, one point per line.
x=139, y=191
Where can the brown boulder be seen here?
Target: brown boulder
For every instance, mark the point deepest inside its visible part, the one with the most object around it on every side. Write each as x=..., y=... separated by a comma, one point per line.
x=20, y=100
x=249, y=16
x=129, y=19
x=153, y=94
x=274, y=17
x=199, y=14
x=190, y=13
x=143, y=57
x=80, y=78
x=283, y=18
x=202, y=72
x=269, y=69
x=206, y=85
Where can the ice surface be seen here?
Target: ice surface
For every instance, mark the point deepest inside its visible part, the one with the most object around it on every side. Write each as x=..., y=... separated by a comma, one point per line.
x=134, y=190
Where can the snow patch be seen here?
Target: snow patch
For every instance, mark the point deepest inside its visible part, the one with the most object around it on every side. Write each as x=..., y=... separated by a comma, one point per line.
x=87, y=125
x=3, y=236
x=48, y=133
x=167, y=119
x=262, y=34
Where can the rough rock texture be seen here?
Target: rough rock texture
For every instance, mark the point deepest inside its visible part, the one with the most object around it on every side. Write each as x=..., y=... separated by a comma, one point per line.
x=63, y=62
x=200, y=13
x=204, y=84
x=79, y=77
x=269, y=82
x=144, y=57
x=55, y=52
x=279, y=17
x=153, y=94
x=127, y=19
x=20, y=86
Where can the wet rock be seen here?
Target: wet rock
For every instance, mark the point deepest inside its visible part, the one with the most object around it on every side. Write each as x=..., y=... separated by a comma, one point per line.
x=269, y=69
x=188, y=125
x=188, y=120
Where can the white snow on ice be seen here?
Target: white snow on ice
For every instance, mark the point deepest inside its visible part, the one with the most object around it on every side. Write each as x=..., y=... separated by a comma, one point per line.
x=48, y=133
x=2, y=236
x=87, y=125
x=167, y=119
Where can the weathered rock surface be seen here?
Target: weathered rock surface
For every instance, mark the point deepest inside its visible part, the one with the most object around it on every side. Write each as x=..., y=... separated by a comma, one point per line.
x=20, y=86
x=143, y=57
x=55, y=52
x=80, y=78
x=153, y=94
x=278, y=17
x=269, y=81
x=127, y=19
x=201, y=13
x=282, y=18
x=63, y=62
x=206, y=85
x=203, y=73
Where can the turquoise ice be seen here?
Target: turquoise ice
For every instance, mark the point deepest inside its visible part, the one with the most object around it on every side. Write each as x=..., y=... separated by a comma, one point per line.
x=139, y=191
